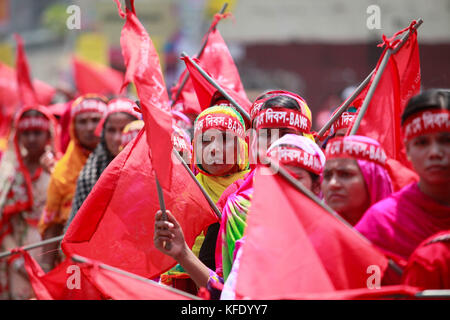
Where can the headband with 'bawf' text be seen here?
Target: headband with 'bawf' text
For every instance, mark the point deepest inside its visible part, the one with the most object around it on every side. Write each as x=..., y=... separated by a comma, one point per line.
x=33, y=123
x=219, y=121
x=298, y=158
x=429, y=121
x=280, y=117
x=355, y=149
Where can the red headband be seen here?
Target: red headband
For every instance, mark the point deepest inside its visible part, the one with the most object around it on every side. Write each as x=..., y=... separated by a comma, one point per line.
x=346, y=148
x=256, y=107
x=344, y=121
x=429, y=121
x=298, y=158
x=280, y=117
x=33, y=123
x=89, y=105
x=220, y=121
x=115, y=106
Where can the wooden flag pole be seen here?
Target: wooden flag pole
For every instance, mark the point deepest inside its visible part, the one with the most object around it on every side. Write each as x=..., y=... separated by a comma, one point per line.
x=218, y=87
x=377, y=78
x=344, y=106
x=277, y=169
x=33, y=246
x=200, y=53
x=80, y=259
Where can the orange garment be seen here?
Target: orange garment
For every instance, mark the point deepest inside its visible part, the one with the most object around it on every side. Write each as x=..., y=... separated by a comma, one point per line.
x=61, y=189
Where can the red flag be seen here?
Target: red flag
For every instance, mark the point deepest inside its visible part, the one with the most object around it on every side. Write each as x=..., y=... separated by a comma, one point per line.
x=298, y=246
x=96, y=78
x=218, y=62
x=115, y=223
x=144, y=69
x=118, y=286
x=9, y=97
x=399, y=82
x=65, y=282
x=26, y=90
x=394, y=292
x=400, y=175
x=206, y=91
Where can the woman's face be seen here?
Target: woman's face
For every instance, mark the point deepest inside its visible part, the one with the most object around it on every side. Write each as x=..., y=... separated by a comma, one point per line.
x=85, y=125
x=217, y=151
x=430, y=157
x=113, y=131
x=34, y=141
x=344, y=189
x=305, y=178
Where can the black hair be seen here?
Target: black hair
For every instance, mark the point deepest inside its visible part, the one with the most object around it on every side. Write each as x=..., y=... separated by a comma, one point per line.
x=429, y=99
x=264, y=95
x=33, y=113
x=282, y=101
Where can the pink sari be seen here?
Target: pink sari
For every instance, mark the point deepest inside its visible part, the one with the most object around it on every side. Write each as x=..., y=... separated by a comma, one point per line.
x=399, y=223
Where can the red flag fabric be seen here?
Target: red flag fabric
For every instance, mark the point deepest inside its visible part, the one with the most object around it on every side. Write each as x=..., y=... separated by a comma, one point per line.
x=206, y=91
x=394, y=292
x=399, y=82
x=400, y=175
x=57, y=284
x=218, y=62
x=115, y=223
x=96, y=78
x=9, y=96
x=118, y=286
x=297, y=247
x=144, y=69
x=27, y=93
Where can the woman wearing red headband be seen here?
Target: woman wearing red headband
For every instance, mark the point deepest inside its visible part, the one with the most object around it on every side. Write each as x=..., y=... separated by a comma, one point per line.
x=402, y=221
x=354, y=177
x=120, y=112
x=22, y=195
x=86, y=113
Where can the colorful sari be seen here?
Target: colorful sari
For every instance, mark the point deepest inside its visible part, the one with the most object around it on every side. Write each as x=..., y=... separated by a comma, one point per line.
x=22, y=199
x=64, y=177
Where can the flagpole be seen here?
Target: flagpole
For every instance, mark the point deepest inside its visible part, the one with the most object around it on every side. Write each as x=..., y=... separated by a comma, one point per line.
x=199, y=54
x=162, y=206
x=377, y=78
x=345, y=105
x=80, y=259
x=218, y=87
x=277, y=169
x=444, y=293
x=208, y=198
x=33, y=246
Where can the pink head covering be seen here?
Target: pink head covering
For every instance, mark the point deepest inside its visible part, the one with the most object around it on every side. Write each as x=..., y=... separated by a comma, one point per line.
x=375, y=175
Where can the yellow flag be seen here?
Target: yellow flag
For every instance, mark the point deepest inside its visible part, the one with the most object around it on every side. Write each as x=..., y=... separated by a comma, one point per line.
x=6, y=54
x=92, y=47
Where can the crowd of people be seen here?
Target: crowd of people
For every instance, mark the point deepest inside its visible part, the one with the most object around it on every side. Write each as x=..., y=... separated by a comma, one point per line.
x=53, y=162
x=49, y=169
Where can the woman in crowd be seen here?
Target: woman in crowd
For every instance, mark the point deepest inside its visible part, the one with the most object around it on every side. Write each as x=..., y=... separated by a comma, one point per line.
x=221, y=157
x=130, y=132
x=86, y=113
x=120, y=112
x=238, y=196
x=22, y=181
x=399, y=223
x=354, y=177
x=288, y=151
